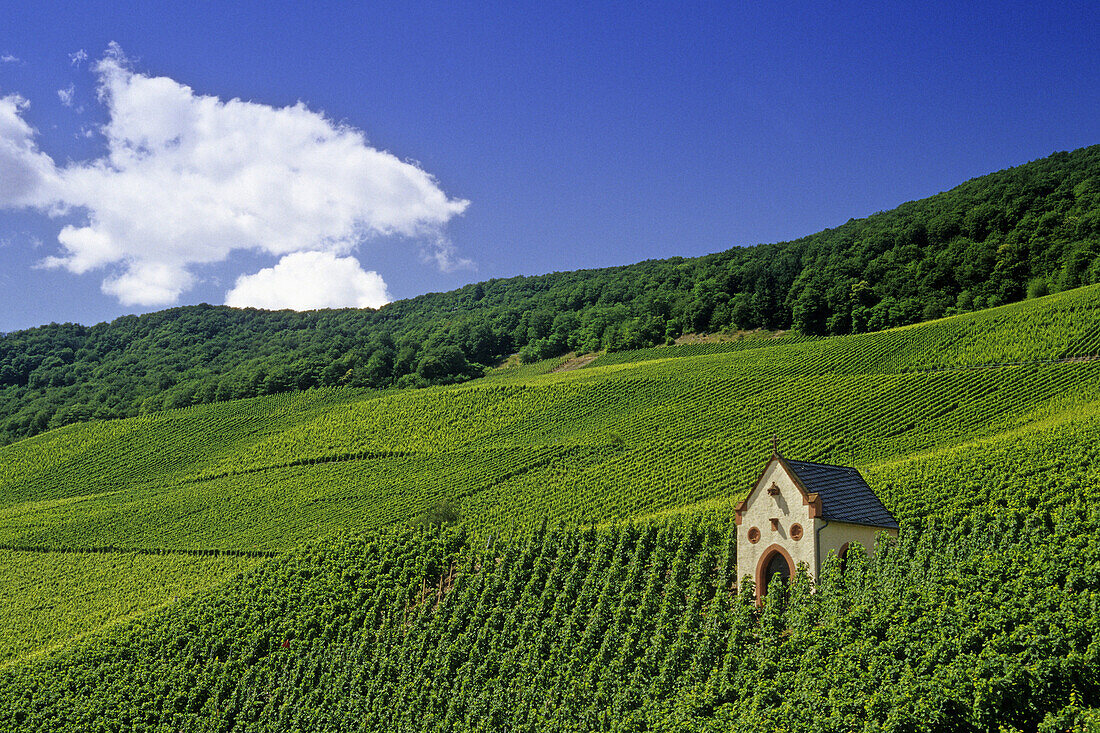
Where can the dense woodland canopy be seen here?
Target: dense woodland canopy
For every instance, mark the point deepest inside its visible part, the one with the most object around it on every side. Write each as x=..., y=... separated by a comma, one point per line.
x=1018, y=233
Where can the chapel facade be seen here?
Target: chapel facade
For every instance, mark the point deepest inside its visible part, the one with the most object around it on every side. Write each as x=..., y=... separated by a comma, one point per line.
x=798, y=513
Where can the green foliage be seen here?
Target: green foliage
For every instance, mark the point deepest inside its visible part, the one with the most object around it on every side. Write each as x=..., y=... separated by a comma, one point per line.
x=49, y=598
x=963, y=625
x=988, y=242
x=446, y=511
x=1060, y=327
x=979, y=431
x=594, y=444
x=750, y=341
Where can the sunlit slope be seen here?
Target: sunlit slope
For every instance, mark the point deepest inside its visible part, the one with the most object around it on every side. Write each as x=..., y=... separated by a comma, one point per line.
x=79, y=460
x=48, y=598
x=593, y=444
x=648, y=436
x=983, y=615
x=1041, y=467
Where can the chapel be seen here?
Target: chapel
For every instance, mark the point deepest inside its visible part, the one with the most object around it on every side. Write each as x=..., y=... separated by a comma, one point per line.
x=798, y=513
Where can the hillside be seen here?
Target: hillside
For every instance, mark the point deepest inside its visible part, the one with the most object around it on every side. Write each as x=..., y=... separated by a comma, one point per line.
x=983, y=618
x=986, y=419
x=993, y=240
x=260, y=562
x=595, y=444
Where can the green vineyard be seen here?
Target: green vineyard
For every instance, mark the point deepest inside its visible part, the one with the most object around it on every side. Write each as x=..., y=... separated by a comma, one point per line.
x=748, y=341
x=51, y=597
x=634, y=627
x=1055, y=328
x=261, y=564
x=594, y=444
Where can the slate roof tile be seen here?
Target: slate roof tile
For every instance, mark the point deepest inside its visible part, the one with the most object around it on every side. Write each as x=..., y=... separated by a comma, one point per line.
x=845, y=496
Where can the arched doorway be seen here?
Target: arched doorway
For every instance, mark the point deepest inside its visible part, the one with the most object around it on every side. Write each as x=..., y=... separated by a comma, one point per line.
x=775, y=560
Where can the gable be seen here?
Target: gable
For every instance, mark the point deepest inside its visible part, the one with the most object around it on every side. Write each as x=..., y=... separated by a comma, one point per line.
x=777, y=476
x=835, y=493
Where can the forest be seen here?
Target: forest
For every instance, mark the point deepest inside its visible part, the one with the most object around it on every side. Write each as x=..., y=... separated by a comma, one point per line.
x=1001, y=238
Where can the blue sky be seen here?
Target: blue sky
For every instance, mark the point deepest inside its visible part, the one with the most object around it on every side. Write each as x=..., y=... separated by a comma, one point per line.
x=452, y=142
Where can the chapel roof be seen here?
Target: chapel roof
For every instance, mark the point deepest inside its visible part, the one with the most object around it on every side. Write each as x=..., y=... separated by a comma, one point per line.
x=845, y=496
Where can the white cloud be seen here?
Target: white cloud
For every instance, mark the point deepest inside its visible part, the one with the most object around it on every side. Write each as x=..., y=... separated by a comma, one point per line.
x=188, y=178
x=66, y=95
x=26, y=174
x=9, y=59
x=310, y=280
x=78, y=58
x=444, y=254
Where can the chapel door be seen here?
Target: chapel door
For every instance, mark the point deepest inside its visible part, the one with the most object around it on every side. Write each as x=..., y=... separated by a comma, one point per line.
x=774, y=563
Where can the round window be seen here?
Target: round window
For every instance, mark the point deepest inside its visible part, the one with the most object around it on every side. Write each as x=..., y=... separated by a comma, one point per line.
x=754, y=535
x=796, y=532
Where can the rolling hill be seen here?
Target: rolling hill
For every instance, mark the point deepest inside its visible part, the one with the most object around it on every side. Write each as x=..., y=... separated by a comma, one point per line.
x=997, y=239
x=605, y=442
x=259, y=562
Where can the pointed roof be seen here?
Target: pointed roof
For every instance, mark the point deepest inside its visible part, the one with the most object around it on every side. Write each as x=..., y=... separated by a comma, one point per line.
x=844, y=495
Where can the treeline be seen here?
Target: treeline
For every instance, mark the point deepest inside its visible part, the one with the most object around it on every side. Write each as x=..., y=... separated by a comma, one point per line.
x=984, y=622
x=1018, y=233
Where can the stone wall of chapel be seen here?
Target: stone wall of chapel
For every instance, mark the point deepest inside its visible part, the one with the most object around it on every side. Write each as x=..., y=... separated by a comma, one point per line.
x=789, y=509
x=835, y=535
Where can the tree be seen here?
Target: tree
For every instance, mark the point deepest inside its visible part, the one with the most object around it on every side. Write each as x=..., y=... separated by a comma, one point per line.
x=442, y=361
x=810, y=312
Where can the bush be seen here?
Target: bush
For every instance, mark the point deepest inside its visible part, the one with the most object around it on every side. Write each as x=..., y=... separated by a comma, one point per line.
x=1037, y=288
x=446, y=511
